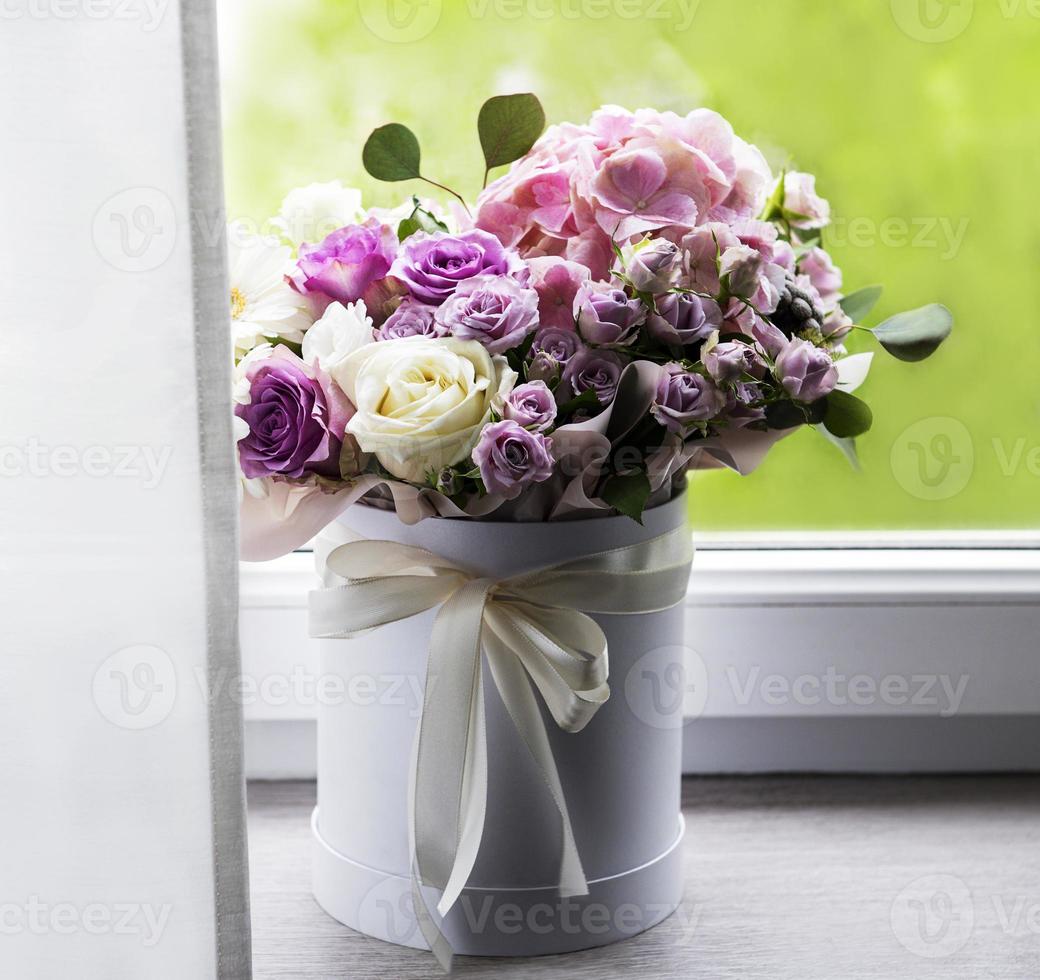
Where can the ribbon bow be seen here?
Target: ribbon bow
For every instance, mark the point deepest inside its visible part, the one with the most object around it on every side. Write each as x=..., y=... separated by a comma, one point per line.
x=533, y=630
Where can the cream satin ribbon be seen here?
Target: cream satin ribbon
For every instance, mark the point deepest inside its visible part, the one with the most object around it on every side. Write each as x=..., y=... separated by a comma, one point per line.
x=532, y=629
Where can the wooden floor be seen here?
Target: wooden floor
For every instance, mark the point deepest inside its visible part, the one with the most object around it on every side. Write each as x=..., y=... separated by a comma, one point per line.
x=808, y=877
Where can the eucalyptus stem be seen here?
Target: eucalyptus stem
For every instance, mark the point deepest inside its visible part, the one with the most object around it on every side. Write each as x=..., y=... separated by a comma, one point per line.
x=448, y=190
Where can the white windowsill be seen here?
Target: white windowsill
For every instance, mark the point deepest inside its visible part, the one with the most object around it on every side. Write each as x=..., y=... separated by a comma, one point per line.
x=766, y=619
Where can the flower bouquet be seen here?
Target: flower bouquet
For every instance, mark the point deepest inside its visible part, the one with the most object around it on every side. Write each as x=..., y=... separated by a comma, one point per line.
x=634, y=297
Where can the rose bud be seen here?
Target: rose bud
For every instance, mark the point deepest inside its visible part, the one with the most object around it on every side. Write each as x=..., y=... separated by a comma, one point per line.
x=731, y=360
x=654, y=267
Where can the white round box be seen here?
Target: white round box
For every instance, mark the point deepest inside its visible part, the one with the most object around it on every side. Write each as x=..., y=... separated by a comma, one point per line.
x=621, y=774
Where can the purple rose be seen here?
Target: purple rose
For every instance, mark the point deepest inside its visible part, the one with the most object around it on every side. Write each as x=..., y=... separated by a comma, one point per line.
x=594, y=370
x=434, y=265
x=531, y=405
x=296, y=418
x=653, y=268
x=683, y=318
x=496, y=311
x=749, y=275
x=560, y=345
x=344, y=266
x=731, y=360
x=606, y=315
x=411, y=319
x=684, y=397
x=806, y=372
x=510, y=458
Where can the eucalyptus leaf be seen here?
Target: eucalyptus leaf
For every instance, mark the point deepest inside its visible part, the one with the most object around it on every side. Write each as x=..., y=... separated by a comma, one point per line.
x=508, y=126
x=391, y=153
x=846, y=415
x=915, y=334
x=846, y=445
x=784, y=415
x=628, y=493
x=858, y=305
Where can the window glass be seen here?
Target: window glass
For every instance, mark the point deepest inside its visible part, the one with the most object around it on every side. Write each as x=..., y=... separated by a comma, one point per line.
x=920, y=124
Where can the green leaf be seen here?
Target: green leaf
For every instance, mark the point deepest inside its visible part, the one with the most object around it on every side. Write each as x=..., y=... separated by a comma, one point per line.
x=628, y=493
x=784, y=415
x=391, y=153
x=847, y=446
x=858, y=304
x=508, y=126
x=916, y=334
x=419, y=220
x=846, y=415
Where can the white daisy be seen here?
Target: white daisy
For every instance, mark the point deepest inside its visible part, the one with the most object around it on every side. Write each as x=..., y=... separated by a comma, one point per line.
x=263, y=305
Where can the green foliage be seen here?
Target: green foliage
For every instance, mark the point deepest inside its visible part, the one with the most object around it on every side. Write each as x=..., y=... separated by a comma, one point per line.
x=916, y=334
x=857, y=305
x=508, y=126
x=846, y=416
x=628, y=493
x=391, y=153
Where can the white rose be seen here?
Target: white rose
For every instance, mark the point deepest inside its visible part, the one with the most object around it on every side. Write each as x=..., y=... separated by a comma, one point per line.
x=422, y=402
x=341, y=331
x=310, y=214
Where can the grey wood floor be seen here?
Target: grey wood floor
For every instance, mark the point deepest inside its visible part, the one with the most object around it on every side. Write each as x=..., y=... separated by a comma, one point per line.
x=807, y=877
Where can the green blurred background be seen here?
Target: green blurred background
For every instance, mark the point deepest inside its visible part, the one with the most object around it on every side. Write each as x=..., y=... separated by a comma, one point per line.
x=920, y=119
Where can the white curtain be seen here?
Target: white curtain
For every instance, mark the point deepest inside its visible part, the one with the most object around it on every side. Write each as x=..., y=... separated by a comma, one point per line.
x=122, y=842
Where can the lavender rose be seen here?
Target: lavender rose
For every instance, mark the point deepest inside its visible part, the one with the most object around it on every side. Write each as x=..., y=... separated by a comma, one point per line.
x=496, y=311
x=654, y=267
x=411, y=319
x=683, y=318
x=296, y=418
x=531, y=405
x=345, y=265
x=433, y=266
x=683, y=398
x=606, y=315
x=806, y=372
x=510, y=458
x=749, y=275
x=594, y=370
x=731, y=360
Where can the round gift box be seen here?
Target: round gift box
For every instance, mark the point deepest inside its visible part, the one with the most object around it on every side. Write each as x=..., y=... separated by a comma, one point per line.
x=620, y=775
